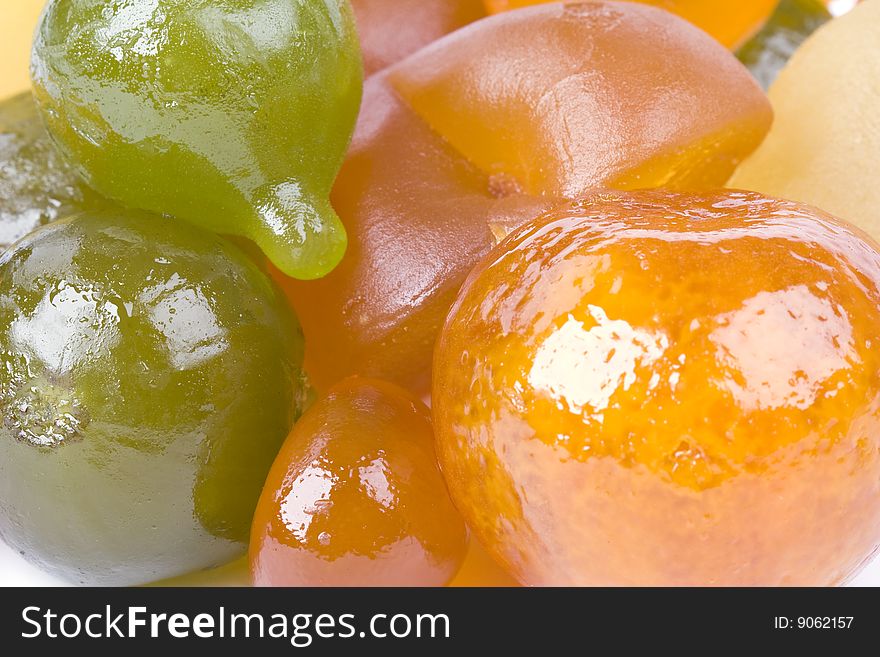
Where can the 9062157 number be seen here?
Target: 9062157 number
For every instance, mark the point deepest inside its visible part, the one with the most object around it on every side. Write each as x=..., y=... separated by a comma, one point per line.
x=824, y=622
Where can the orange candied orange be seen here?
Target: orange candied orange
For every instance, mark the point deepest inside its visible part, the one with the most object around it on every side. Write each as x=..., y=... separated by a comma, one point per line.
x=658, y=388
x=732, y=22
x=450, y=153
x=355, y=497
x=392, y=29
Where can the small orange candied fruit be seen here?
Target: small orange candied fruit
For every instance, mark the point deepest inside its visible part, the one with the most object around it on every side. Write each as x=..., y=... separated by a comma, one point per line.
x=355, y=497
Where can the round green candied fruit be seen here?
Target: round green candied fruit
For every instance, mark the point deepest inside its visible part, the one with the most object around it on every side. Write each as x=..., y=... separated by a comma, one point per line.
x=37, y=186
x=149, y=372
x=232, y=114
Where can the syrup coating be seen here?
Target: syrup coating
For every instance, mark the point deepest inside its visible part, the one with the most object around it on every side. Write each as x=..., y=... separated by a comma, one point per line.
x=355, y=497
x=668, y=389
x=449, y=155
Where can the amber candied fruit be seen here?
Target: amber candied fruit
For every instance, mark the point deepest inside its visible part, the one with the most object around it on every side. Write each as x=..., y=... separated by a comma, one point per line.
x=355, y=498
x=668, y=389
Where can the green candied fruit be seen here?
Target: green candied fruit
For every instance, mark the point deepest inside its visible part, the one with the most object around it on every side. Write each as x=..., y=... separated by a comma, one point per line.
x=36, y=185
x=232, y=114
x=149, y=372
x=767, y=53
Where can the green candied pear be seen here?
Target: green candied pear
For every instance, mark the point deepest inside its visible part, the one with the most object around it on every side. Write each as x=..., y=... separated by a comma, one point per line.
x=232, y=114
x=149, y=372
x=37, y=186
x=767, y=53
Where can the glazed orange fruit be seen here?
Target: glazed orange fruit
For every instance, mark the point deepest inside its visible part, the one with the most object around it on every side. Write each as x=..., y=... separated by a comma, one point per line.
x=355, y=497
x=732, y=22
x=668, y=389
x=450, y=153
x=392, y=29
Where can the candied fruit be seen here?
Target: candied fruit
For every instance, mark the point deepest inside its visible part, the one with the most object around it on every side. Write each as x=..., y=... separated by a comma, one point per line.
x=355, y=497
x=658, y=388
x=149, y=372
x=233, y=115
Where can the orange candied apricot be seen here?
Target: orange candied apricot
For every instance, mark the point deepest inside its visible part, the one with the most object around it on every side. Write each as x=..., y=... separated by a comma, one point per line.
x=355, y=497
x=656, y=388
x=450, y=154
x=732, y=22
x=392, y=29
x=589, y=107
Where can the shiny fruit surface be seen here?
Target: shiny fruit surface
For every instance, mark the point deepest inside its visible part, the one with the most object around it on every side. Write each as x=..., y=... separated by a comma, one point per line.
x=149, y=372
x=824, y=146
x=36, y=185
x=390, y=30
x=355, y=498
x=233, y=115
x=732, y=22
x=668, y=389
x=485, y=129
